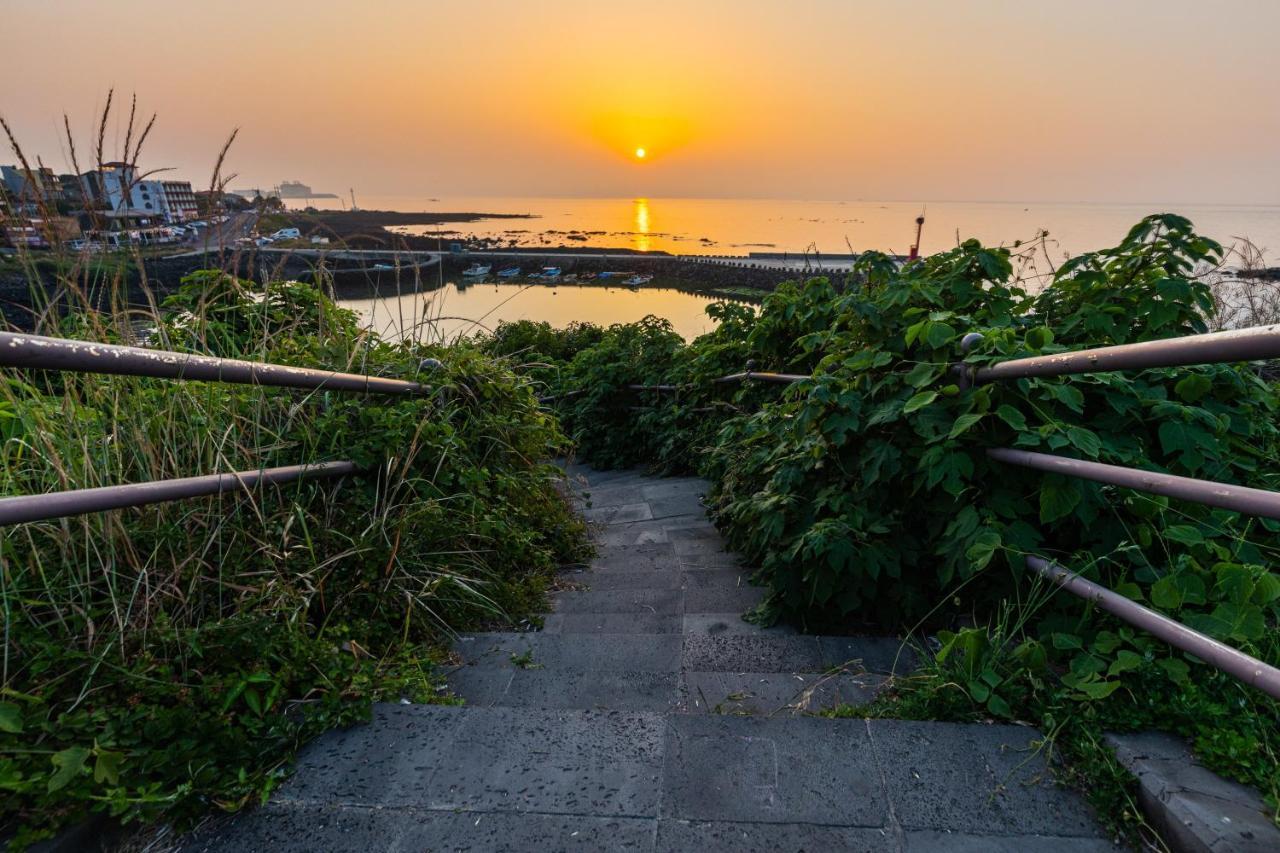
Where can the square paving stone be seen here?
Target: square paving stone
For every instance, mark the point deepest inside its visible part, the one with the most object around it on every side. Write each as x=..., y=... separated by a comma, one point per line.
x=645, y=579
x=365, y=830
x=751, y=653
x=607, y=496
x=720, y=591
x=784, y=770
x=728, y=623
x=696, y=541
x=386, y=762
x=635, y=533
x=599, y=689
x=710, y=561
x=677, y=506
x=480, y=685
x=605, y=763
x=725, y=837
x=635, y=558
x=949, y=842
x=874, y=654
x=613, y=623
x=975, y=779
x=624, y=514
x=673, y=487
x=620, y=601
x=618, y=652
x=772, y=692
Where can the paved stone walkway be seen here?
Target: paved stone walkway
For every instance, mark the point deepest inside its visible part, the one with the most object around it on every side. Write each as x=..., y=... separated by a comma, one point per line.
x=647, y=715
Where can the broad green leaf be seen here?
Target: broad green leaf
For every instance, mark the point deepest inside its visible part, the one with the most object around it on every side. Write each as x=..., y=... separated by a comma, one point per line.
x=963, y=423
x=919, y=401
x=922, y=374
x=10, y=718
x=1012, y=417
x=1176, y=669
x=69, y=762
x=1086, y=440
x=1124, y=662
x=1193, y=387
x=999, y=707
x=1098, y=689
x=1057, y=500
x=938, y=334
x=984, y=547
x=1186, y=534
x=1039, y=337
x=1166, y=594
x=1067, y=641
x=106, y=767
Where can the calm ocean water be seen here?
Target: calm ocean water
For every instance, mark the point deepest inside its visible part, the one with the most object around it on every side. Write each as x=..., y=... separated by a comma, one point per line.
x=739, y=226
x=734, y=227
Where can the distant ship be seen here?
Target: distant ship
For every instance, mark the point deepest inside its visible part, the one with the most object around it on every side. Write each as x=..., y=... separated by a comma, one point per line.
x=297, y=189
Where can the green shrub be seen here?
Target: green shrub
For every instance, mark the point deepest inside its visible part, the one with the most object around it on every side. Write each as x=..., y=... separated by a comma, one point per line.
x=865, y=496
x=162, y=660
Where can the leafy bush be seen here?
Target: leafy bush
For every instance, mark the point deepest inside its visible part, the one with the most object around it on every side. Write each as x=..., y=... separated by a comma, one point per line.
x=864, y=495
x=162, y=660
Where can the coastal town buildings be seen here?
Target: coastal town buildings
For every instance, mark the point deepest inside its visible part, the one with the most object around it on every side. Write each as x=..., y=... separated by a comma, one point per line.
x=40, y=206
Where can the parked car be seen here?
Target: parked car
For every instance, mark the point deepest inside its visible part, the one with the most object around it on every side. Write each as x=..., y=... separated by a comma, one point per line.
x=287, y=234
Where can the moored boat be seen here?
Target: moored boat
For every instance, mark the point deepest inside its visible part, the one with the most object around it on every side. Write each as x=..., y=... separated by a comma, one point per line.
x=477, y=270
x=509, y=272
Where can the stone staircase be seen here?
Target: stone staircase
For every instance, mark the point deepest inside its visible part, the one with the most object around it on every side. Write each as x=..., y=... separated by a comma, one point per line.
x=647, y=715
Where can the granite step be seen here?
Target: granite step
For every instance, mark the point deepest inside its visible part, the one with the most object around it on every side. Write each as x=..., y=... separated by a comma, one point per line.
x=474, y=778
x=690, y=673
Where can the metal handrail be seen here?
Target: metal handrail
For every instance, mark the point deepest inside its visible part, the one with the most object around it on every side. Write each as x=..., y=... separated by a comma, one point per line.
x=23, y=508
x=1260, y=342
x=1251, y=501
x=37, y=351
x=1248, y=669
x=781, y=378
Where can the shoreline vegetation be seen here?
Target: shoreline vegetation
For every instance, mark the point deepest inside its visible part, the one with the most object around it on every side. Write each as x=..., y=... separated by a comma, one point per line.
x=864, y=499
x=167, y=662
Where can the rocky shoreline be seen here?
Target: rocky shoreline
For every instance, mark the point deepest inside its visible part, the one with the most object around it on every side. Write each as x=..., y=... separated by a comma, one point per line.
x=350, y=275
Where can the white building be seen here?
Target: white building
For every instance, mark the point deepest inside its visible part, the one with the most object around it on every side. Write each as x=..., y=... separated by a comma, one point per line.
x=170, y=201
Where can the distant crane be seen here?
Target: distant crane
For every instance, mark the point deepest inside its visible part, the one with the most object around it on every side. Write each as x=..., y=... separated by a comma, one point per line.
x=915, y=249
x=353, y=198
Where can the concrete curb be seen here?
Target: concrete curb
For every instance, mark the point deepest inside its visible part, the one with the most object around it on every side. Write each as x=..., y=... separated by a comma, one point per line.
x=1193, y=809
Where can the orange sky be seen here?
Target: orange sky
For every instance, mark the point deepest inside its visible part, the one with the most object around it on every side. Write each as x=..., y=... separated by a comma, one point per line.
x=1086, y=100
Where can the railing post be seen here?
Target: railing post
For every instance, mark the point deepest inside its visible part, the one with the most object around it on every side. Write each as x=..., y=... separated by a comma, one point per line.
x=964, y=373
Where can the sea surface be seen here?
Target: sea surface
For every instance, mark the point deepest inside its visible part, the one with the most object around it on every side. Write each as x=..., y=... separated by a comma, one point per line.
x=737, y=227
x=451, y=312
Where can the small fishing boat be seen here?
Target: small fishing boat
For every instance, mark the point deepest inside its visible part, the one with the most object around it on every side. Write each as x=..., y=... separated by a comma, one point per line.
x=637, y=280
x=570, y=278
x=509, y=272
x=476, y=270
x=587, y=276
x=549, y=274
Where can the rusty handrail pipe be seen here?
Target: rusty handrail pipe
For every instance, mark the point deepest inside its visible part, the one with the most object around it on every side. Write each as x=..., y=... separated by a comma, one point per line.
x=1232, y=661
x=1243, y=499
x=781, y=378
x=37, y=351
x=24, y=508
x=1237, y=345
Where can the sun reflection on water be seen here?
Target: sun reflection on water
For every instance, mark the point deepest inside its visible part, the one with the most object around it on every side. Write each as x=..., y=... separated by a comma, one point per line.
x=640, y=238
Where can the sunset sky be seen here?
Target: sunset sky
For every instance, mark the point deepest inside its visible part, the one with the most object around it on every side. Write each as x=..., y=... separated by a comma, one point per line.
x=1088, y=100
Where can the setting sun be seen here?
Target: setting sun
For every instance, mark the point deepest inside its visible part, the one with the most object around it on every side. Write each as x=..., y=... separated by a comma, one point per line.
x=639, y=153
